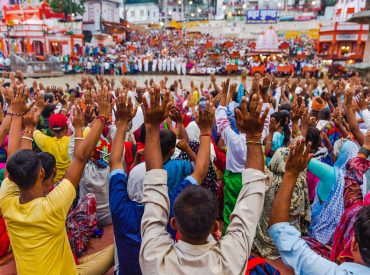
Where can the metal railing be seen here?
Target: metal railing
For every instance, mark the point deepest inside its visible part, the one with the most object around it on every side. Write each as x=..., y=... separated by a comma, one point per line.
x=30, y=66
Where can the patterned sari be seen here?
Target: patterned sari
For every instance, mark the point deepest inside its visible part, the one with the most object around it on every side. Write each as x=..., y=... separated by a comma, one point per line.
x=300, y=214
x=353, y=202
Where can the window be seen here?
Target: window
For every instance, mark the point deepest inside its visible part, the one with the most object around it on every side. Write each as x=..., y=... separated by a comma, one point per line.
x=133, y=13
x=154, y=14
x=141, y=13
x=148, y=13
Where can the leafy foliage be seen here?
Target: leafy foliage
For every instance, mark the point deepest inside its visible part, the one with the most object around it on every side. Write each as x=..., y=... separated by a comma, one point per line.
x=68, y=6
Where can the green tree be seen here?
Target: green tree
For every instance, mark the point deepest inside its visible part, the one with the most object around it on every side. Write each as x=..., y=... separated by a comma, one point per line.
x=68, y=6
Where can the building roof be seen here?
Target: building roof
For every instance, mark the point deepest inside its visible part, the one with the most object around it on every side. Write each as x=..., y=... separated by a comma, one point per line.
x=131, y=2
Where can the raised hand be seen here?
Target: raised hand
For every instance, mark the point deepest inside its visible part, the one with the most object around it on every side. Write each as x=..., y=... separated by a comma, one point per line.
x=125, y=110
x=362, y=102
x=183, y=145
x=265, y=85
x=78, y=117
x=40, y=102
x=337, y=117
x=213, y=78
x=103, y=101
x=19, y=101
x=224, y=92
x=175, y=114
x=297, y=112
x=31, y=119
x=157, y=111
x=205, y=118
x=299, y=157
x=348, y=97
x=251, y=122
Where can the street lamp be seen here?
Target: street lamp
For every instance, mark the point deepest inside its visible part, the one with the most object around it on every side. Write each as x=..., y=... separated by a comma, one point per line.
x=190, y=2
x=179, y=2
x=192, y=14
x=313, y=3
x=224, y=7
x=199, y=10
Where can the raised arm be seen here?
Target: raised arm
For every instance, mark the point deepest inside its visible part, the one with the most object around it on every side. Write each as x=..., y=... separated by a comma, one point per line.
x=153, y=117
x=84, y=151
x=204, y=119
x=19, y=109
x=292, y=248
x=298, y=160
x=351, y=117
x=241, y=231
x=124, y=114
x=155, y=239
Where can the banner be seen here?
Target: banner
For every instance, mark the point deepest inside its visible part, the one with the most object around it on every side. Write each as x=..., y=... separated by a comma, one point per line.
x=261, y=16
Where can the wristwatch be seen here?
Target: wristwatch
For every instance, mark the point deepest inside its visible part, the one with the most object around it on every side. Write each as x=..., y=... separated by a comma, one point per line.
x=364, y=151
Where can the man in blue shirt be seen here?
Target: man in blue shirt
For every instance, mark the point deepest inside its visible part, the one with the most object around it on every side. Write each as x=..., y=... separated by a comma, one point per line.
x=126, y=213
x=293, y=249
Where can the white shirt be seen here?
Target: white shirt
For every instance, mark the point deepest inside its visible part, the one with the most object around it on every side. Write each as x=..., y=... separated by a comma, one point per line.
x=236, y=143
x=160, y=255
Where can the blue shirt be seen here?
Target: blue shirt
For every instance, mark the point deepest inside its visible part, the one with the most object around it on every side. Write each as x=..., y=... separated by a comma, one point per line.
x=177, y=171
x=126, y=217
x=296, y=253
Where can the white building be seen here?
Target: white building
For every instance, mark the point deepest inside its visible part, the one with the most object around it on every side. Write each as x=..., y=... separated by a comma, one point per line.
x=140, y=12
x=95, y=10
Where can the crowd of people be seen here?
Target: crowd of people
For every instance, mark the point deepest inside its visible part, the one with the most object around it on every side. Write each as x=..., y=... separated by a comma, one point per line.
x=169, y=53
x=194, y=180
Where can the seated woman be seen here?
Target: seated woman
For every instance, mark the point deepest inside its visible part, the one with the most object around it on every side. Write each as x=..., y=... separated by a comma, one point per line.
x=319, y=153
x=95, y=180
x=354, y=201
x=300, y=214
x=327, y=207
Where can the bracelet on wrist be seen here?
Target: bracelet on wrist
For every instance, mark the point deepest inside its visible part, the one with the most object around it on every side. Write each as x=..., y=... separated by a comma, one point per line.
x=79, y=138
x=205, y=135
x=15, y=114
x=28, y=132
x=27, y=138
x=102, y=118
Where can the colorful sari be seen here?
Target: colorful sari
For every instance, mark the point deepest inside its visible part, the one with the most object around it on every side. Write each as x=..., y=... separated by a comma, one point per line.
x=353, y=202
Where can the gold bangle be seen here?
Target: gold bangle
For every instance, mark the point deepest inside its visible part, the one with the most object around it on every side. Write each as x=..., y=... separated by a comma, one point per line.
x=28, y=138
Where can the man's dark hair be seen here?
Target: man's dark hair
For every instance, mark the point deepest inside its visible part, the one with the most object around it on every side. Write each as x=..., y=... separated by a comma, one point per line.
x=362, y=233
x=48, y=162
x=168, y=141
x=324, y=114
x=285, y=106
x=23, y=168
x=196, y=210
